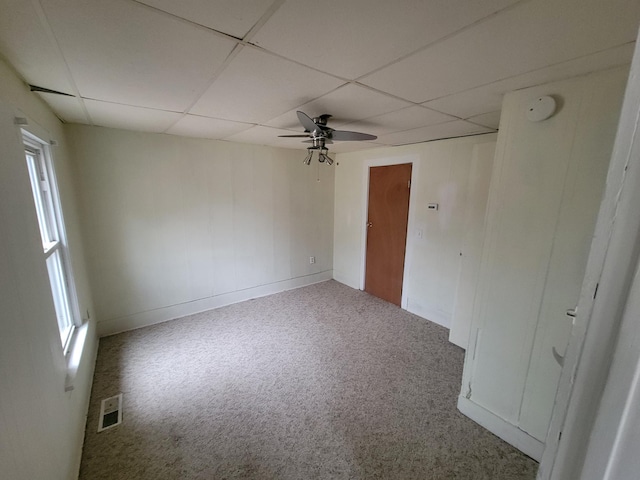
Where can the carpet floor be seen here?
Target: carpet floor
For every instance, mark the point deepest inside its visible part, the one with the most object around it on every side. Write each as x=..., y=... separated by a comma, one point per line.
x=322, y=382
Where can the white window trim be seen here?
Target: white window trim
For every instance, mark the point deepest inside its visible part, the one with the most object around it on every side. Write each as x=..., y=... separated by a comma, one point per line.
x=32, y=142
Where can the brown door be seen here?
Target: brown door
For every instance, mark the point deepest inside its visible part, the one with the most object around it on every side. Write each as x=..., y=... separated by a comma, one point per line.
x=389, y=188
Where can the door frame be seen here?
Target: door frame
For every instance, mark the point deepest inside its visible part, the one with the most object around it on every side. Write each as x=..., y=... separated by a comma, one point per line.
x=408, y=253
x=609, y=273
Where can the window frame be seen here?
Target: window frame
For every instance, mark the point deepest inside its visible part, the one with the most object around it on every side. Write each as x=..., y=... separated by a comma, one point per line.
x=39, y=160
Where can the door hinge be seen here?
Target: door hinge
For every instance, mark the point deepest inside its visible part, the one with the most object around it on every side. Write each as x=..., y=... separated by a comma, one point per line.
x=409, y=184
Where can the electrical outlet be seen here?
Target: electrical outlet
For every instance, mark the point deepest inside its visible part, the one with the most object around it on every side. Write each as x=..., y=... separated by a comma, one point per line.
x=312, y=260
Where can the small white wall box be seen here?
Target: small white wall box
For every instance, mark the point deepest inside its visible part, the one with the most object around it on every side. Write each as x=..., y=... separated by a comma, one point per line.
x=432, y=206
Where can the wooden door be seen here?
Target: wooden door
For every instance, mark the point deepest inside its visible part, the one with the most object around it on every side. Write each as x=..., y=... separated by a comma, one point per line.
x=389, y=188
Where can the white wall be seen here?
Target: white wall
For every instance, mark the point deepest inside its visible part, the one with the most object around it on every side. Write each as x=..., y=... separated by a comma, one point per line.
x=42, y=425
x=546, y=188
x=442, y=173
x=178, y=225
x=472, y=242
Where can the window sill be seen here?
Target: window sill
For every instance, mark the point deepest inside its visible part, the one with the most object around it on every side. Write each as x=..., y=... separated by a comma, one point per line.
x=74, y=355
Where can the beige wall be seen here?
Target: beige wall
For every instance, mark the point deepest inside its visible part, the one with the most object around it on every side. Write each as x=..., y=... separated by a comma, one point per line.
x=42, y=425
x=442, y=173
x=177, y=225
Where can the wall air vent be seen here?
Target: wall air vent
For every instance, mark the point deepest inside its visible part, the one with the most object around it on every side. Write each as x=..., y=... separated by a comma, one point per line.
x=36, y=88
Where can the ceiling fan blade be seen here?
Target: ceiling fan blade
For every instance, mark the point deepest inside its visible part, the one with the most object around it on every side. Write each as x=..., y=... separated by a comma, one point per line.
x=344, y=135
x=305, y=135
x=307, y=122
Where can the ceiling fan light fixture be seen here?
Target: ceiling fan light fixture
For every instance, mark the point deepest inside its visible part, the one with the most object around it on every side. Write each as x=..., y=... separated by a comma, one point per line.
x=307, y=159
x=323, y=154
x=319, y=134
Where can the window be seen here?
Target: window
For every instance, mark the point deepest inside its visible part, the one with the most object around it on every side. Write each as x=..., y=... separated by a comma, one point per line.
x=54, y=247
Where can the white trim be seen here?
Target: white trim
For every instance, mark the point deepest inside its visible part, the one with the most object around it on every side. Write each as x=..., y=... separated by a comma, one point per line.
x=74, y=354
x=344, y=279
x=38, y=144
x=62, y=233
x=51, y=222
x=90, y=365
x=612, y=260
x=382, y=162
x=435, y=316
x=613, y=444
x=500, y=427
x=151, y=317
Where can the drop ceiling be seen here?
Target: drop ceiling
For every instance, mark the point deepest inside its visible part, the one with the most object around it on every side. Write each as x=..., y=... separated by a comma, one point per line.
x=405, y=70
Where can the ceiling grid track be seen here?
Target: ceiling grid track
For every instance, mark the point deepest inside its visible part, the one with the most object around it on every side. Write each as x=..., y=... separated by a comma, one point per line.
x=407, y=72
x=529, y=72
x=241, y=43
x=42, y=16
x=442, y=39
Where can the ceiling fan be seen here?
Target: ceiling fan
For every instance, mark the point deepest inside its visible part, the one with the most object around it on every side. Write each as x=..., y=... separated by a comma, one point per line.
x=320, y=134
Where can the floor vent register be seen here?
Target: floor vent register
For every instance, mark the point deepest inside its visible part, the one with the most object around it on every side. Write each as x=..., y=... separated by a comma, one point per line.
x=110, y=412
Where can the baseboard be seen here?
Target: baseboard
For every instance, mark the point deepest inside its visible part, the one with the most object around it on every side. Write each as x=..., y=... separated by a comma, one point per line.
x=345, y=280
x=434, y=316
x=456, y=339
x=151, y=317
x=498, y=426
x=90, y=364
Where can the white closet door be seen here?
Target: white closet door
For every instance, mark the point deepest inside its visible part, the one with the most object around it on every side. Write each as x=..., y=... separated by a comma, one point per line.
x=545, y=191
x=576, y=222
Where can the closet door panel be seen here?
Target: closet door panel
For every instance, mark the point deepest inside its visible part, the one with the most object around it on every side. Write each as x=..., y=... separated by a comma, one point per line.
x=589, y=162
x=532, y=165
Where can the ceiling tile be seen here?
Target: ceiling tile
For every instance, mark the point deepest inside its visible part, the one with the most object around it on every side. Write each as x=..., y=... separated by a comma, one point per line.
x=457, y=128
x=530, y=36
x=123, y=52
x=346, y=104
x=352, y=38
x=69, y=109
x=34, y=56
x=455, y=57
x=471, y=102
x=491, y=119
x=405, y=119
x=229, y=16
x=267, y=136
x=488, y=98
x=205, y=127
x=127, y=117
x=343, y=147
x=257, y=86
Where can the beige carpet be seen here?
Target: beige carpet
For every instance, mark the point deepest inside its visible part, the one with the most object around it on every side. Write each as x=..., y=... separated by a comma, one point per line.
x=323, y=382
